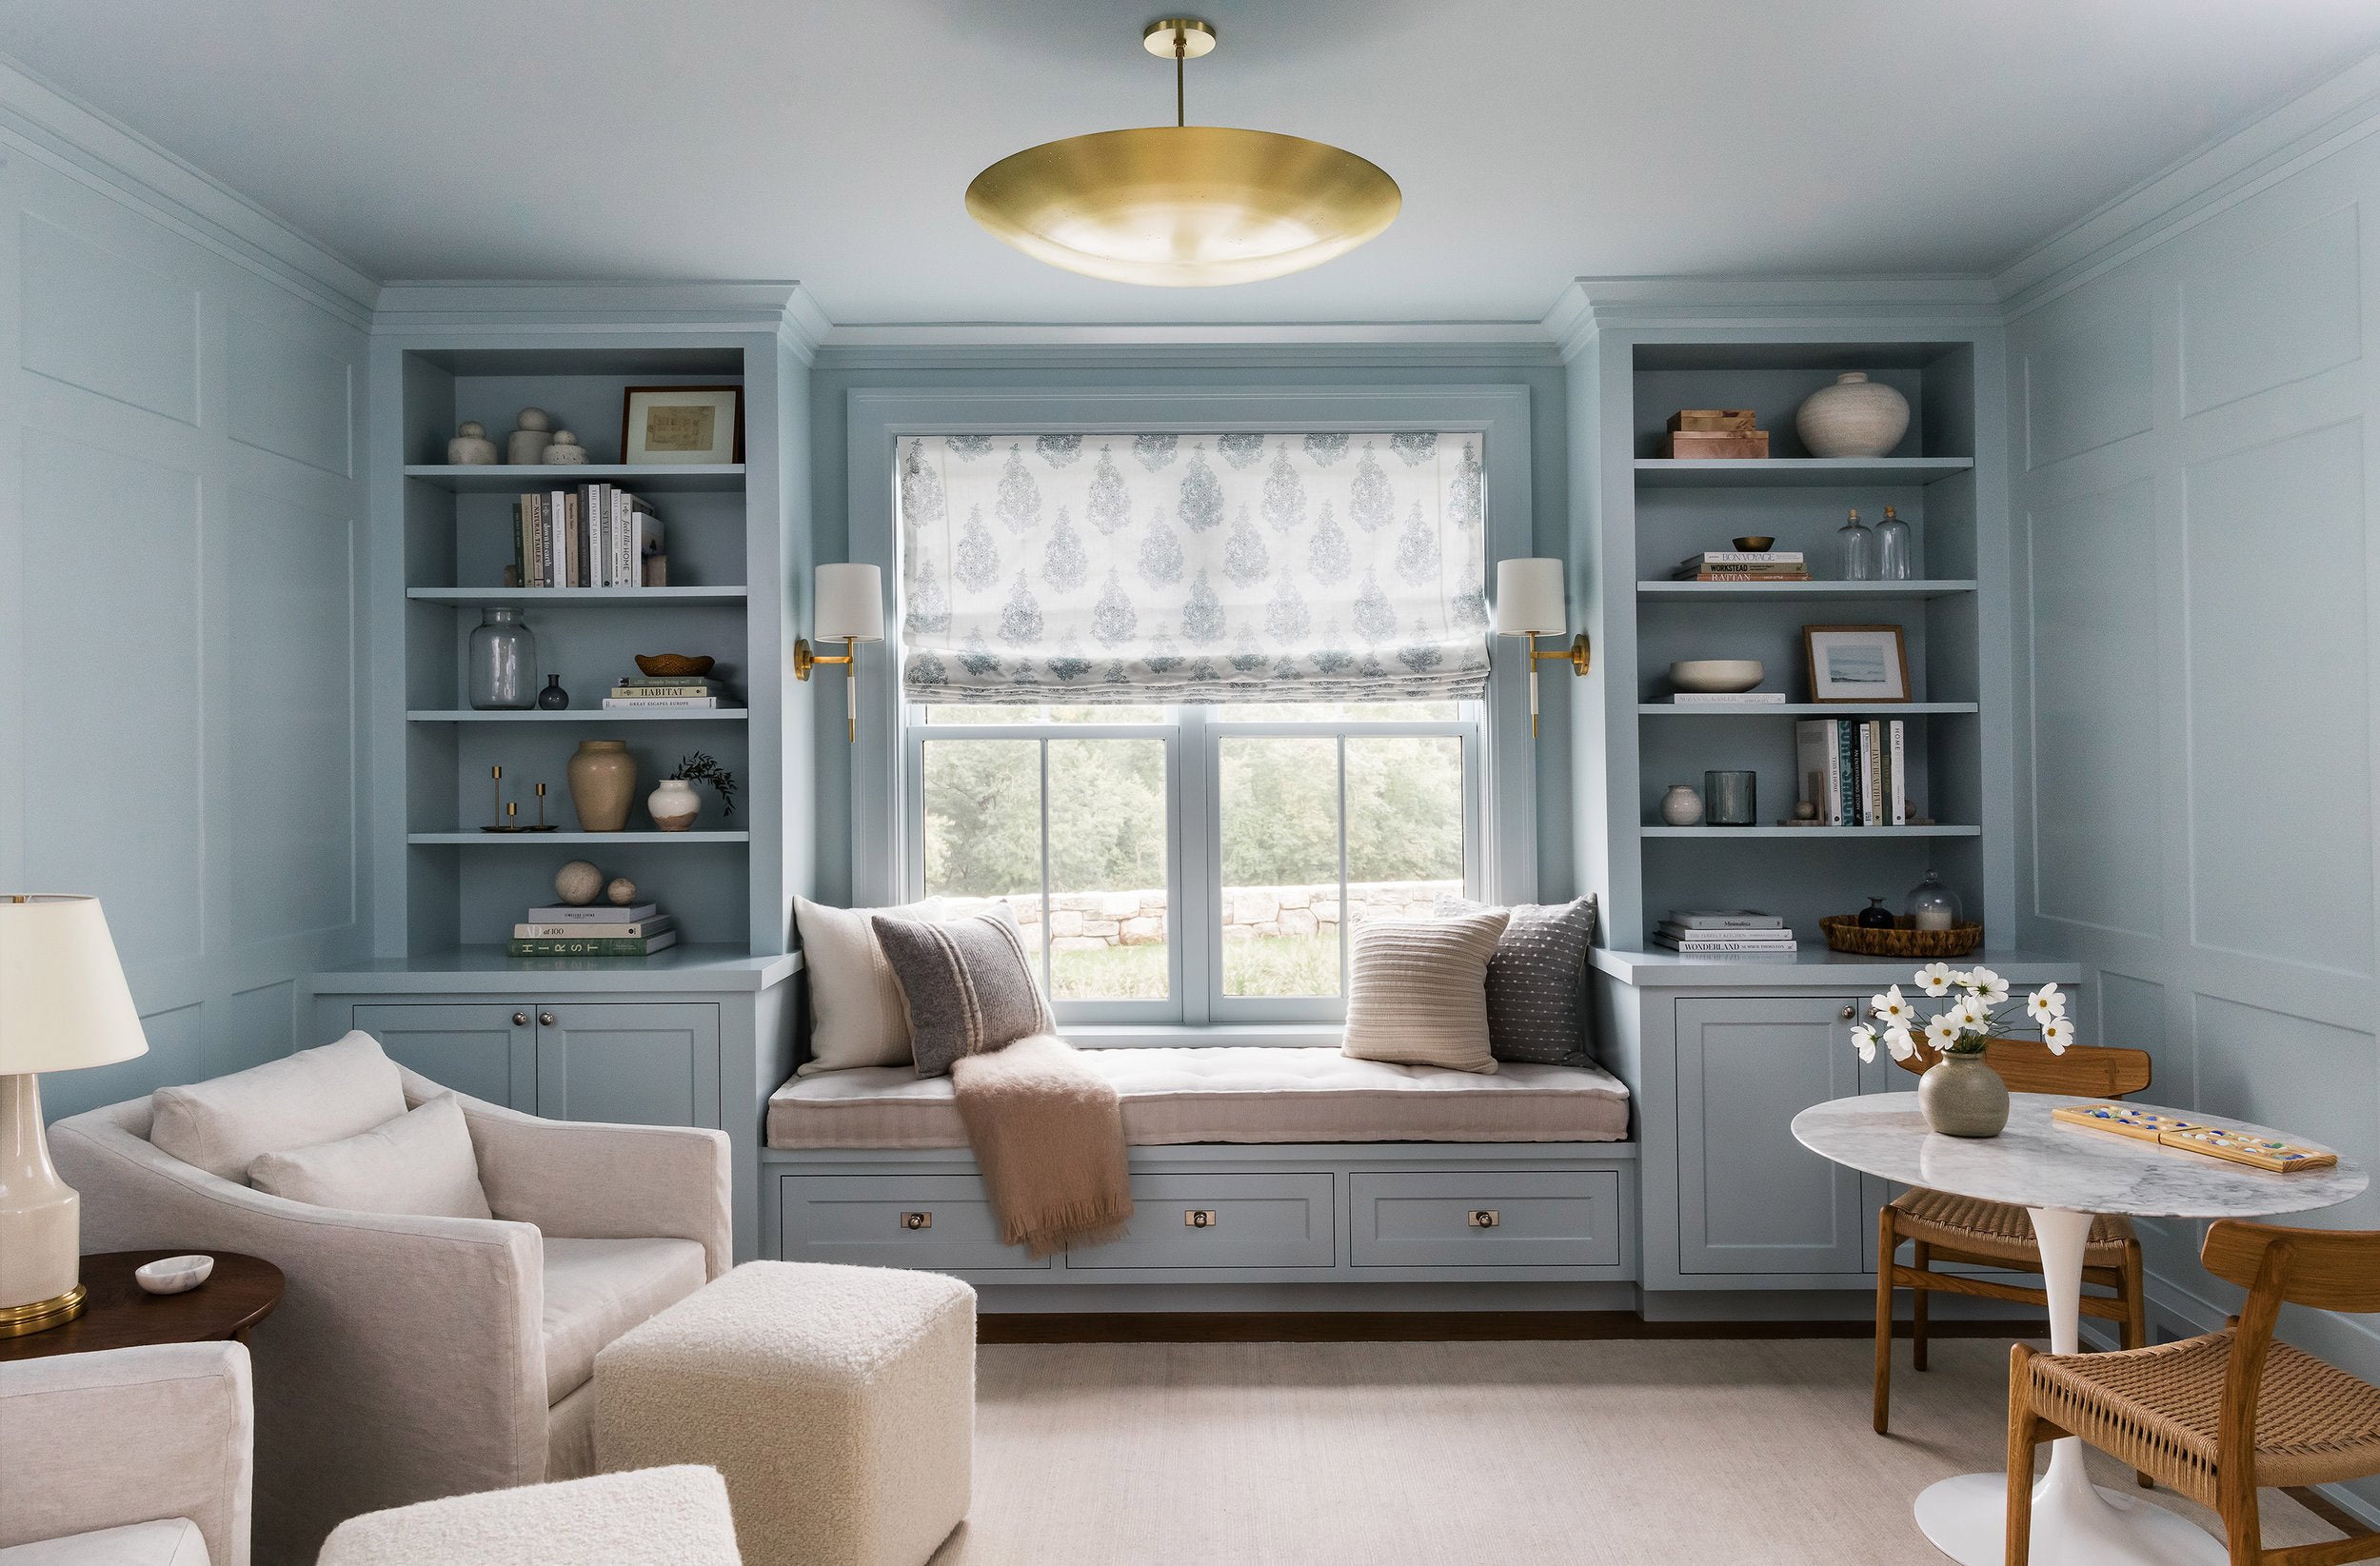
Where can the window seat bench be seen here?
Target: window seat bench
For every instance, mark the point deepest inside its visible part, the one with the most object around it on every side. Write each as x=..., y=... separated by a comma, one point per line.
x=1250, y=1165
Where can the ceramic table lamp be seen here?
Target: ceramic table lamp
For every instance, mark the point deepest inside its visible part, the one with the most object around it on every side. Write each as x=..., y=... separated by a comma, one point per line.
x=63, y=1005
x=1529, y=602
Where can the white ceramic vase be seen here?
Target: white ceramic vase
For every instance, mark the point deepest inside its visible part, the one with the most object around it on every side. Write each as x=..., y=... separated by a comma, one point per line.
x=673, y=804
x=1855, y=417
x=470, y=446
x=1682, y=806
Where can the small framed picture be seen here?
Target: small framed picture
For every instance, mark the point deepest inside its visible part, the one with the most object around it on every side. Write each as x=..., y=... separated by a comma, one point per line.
x=1865, y=665
x=662, y=425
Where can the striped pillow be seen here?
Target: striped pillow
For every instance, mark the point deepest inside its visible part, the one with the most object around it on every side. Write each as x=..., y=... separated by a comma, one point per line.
x=966, y=984
x=1417, y=991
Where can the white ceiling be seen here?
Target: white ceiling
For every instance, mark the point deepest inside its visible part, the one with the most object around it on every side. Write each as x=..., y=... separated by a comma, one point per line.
x=1535, y=142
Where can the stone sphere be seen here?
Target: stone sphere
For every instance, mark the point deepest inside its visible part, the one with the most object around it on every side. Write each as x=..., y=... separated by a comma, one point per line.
x=577, y=883
x=536, y=417
x=621, y=890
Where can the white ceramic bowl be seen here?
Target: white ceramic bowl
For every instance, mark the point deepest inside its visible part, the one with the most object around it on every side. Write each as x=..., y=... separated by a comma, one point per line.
x=1717, y=674
x=175, y=1274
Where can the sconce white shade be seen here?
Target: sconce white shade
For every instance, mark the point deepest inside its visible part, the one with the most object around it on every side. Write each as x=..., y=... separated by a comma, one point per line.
x=850, y=605
x=63, y=1001
x=1529, y=597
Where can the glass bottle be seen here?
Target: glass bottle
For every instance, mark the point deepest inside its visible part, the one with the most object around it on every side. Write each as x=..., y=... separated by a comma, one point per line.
x=1896, y=549
x=504, y=656
x=1858, y=556
x=1875, y=916
x=553, y=698
x=1932, y=905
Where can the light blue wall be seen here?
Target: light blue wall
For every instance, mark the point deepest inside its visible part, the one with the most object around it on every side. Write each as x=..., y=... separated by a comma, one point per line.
x=179, y=499
x=1092, y=371
x=2197, y=543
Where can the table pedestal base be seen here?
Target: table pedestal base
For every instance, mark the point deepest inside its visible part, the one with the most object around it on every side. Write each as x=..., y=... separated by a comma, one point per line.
x=2074, y=1522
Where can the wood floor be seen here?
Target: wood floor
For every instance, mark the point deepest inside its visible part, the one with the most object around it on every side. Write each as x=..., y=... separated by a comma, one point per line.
x=1611, y=1451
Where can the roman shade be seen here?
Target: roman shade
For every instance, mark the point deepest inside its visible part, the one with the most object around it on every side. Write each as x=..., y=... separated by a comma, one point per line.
x=1185, y=568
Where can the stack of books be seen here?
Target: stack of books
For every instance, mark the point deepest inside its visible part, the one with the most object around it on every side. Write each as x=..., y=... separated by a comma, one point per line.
x=1735, y=932
x=596, y=535
x=600, y=930
x=1743, y=565
x=667, y=691
x=1850, y=768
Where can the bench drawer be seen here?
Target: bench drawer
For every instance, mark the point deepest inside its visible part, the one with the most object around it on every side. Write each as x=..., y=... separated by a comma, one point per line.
x=1223, y=1221
x=940, y=1222
x=1553, y=1220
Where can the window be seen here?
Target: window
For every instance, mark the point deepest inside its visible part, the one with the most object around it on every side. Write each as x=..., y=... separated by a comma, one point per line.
x=1194, y=864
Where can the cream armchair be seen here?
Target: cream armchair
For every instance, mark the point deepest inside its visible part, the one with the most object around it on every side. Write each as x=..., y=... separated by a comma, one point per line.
x=417, y=1358
x=650, y=1516
x=128, y=1457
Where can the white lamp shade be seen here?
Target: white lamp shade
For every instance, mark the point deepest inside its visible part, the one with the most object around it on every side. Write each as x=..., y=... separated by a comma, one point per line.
x=63, y=999
x=850, y=605
x=1529, y=597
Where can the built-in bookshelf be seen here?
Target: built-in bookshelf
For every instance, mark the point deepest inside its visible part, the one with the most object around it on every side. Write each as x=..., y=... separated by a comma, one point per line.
x=1654, y=512
x=452, y=535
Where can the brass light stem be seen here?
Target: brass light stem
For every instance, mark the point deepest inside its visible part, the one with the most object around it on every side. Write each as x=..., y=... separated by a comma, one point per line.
x=1182, y=54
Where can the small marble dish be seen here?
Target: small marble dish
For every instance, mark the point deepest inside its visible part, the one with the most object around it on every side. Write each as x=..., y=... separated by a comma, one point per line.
x=175, y=1274
x=1716, y=675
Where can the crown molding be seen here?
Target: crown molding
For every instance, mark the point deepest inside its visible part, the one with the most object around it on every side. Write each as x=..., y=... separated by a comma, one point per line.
x=1588, y=306
x=50, y=127
x=992, y=344
x=2249, y=157
x=449, y=307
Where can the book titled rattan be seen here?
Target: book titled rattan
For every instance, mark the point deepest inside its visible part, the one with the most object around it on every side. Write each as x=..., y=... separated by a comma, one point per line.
x=2173, y=1131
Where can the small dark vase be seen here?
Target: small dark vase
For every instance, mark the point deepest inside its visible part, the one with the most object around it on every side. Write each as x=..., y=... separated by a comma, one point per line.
x=1875, y=916
x=554, y=699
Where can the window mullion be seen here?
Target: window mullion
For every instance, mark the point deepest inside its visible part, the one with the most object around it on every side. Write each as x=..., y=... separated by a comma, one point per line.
x=1346, y=925
x=1048, y=940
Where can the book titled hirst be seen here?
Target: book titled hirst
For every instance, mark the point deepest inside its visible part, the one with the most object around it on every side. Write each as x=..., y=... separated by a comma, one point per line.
x=590, y=946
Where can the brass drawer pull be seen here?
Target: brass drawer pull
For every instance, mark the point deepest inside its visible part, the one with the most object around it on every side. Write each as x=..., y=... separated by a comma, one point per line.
x=917, y=1221
x=1485, y=1217
x=1198, y=1218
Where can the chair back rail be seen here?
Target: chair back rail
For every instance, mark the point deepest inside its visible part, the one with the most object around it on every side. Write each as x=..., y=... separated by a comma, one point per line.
x=2325, y=1269
x=2099, y=1071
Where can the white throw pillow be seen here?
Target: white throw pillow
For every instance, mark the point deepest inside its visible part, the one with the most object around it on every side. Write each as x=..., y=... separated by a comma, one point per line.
x=856, y=1015
x=1417, y=991
x=420, y=1163
x=316, y=1095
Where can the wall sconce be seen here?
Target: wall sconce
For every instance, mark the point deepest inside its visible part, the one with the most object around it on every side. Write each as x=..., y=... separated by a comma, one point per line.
x=1529, y=602
x=850, y=609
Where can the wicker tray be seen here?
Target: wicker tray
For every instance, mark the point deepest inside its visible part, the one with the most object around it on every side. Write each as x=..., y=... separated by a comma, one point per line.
x=1903, y=939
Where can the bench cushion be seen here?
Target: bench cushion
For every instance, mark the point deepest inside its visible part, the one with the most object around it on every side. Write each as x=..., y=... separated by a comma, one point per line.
x=1233, y=1094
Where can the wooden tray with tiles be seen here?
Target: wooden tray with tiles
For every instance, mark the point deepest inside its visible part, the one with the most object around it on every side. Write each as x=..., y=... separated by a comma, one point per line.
x=2281, y=1158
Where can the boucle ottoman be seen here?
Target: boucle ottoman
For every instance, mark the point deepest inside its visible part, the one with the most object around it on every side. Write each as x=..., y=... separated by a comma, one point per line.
x=838, y=1403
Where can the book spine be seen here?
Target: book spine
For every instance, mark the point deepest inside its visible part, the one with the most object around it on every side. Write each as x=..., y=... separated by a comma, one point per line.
x=626, y=692
x=556, y=557
x=599, y=535
x=660, y=701
x=1747, y=557
x=1725, y=921
x=639, y=930
x=623, y=571
x=1676, y=946
x=1720, y=699
x=576, y=947
x=1900, y=786
x=520, y=538
x=608, y=915
x=1867, y=774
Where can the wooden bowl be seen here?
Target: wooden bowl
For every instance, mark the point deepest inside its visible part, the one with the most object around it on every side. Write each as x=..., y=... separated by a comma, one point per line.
x=1756, y=544
x=657, y=664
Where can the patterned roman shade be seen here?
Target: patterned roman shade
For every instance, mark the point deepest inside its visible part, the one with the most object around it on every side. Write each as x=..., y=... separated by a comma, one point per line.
x=1107, y=568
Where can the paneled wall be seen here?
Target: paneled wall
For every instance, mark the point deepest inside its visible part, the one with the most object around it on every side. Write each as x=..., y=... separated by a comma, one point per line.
x=2197, y=516
x=180, y=419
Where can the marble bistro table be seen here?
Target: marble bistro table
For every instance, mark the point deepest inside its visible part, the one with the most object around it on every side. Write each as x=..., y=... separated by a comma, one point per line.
x=2062, y=1175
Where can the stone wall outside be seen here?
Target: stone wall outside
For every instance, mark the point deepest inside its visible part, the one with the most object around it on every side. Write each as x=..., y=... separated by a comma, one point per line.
x=1081, y=922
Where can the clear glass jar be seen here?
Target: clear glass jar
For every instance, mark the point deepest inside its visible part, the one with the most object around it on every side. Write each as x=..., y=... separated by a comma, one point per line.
x=1932, y=905
x=1895, y=548
x=503, y=660
x=1858, y=551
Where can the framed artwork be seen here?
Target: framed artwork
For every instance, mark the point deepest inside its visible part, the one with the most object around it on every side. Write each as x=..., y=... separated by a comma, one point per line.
x=664, y=425
x=1860, y=665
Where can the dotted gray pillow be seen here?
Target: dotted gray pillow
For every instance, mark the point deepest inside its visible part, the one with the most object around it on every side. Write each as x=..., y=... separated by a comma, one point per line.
x=1536, y=986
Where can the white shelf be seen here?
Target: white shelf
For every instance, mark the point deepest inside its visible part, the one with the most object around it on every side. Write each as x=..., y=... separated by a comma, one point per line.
x=1797, y=710
x=1824, y=834
x=1798, y=472
x=621, y=598
x=659, y=478
x=587, y=715
x=1809, y=592
x=525, y=840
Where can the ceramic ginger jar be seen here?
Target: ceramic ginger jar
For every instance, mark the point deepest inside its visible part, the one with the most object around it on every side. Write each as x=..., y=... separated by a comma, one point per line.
x=602, y=784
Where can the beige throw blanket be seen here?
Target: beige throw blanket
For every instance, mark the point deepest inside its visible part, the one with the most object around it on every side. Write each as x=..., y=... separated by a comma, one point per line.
x=1049, y=1137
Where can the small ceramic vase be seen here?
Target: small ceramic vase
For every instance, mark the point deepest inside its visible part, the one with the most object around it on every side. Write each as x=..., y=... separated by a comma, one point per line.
x=1682, y=806
x=564, y=451
x=470, y=446
x=1855, y=417
x=529, y=443
x=1875, y=916
x=674, y=804
x=602, y=784
x=553, y=698
x=1962, y=1095
x=577, y=883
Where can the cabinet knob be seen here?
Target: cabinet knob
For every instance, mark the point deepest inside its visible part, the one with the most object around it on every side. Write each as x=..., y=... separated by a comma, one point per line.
x=547, y=1017
x=1198, y=1218
x=917, y=1221
x=1849, y=1012
x=520, y=1019
x=1485, y=1217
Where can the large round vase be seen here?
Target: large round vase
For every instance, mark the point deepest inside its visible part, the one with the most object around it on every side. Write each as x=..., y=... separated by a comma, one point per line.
x=603, y=781
x=673, y=804
x=1963, y=1097
x=1855, y=417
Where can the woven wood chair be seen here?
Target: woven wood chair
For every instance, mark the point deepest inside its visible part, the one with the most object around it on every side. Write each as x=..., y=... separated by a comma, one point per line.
x=1942, y=1227
x=2218, y=1416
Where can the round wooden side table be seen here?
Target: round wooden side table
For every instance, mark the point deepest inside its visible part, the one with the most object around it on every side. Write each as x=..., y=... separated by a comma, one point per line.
x=117, y=1314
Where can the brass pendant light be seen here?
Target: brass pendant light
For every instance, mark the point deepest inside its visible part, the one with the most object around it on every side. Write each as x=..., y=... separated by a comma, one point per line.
x=1182, y=205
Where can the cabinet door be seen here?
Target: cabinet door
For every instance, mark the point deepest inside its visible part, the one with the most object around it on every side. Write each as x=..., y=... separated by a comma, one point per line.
x=1749, y=1197
x=645, y=1066
x=485, y=1051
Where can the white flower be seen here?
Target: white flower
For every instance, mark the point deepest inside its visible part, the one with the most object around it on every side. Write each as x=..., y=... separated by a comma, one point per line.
x=1889, y=1008
x=1990, y=985
x=1899, y=1043
x=1974, y=1010
x=1944, y=1030
x=2046, y=1003
x=1863, y=1040
x=1937, y=978
x=2057, y=1033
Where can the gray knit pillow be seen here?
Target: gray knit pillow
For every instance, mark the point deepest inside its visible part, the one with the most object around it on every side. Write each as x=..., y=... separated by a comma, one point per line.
x=1534, y=983
x=966, y=984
